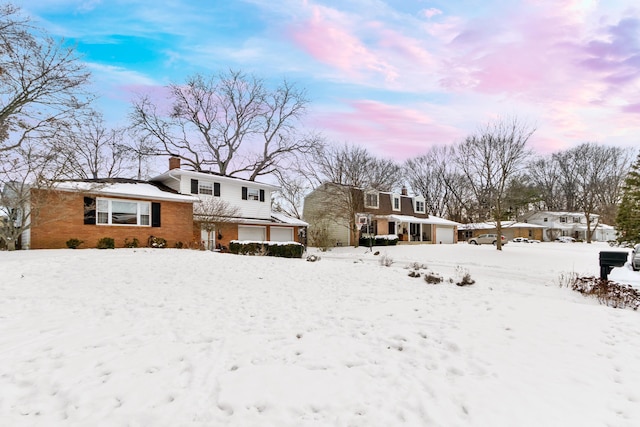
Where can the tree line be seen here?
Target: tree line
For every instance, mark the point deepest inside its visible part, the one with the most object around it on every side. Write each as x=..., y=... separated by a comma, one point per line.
x=236, y=124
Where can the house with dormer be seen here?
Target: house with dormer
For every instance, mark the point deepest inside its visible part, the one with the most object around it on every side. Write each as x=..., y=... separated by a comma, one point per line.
x=334, y=210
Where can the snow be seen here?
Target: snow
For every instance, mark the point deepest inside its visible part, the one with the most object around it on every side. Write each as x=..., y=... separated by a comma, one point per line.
x=138, y=190
x=168, y=337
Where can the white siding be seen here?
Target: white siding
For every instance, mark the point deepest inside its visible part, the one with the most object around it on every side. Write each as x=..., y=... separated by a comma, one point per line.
x=281, y=234
x=256, y=233
x=231, y=192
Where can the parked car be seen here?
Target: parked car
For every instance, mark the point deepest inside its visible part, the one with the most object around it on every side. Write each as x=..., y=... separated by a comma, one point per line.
x=520, y=239
x=565, y=239
x=487, y=239
x=635, y=258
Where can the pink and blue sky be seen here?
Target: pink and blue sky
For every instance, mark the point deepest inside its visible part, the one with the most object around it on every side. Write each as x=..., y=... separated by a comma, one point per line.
x=396, y=76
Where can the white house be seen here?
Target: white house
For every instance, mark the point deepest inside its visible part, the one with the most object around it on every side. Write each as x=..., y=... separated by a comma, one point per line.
x=254, y=220
x=572, y=224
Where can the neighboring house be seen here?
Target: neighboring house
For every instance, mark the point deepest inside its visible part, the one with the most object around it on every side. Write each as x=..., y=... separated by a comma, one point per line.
x=572, y=224
x=118, y=208
x=389, y=213
x=250, y=201
x=510, y=230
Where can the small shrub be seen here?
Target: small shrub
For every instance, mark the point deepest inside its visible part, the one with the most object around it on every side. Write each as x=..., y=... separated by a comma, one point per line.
x=106, y=243
x=464, y=278
x=608, y=293
x=157, y=242
x=385, y=260
x=433, y=278
x=73, y=243
x=133, y=243
x=292, y=250
x=313, y=258
x=417, y=266
x=566, y=280
x=414, y=273
x=179, y=245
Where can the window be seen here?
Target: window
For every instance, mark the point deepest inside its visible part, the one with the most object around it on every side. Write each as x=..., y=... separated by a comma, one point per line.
x=253, y=194
x=371, y=200
x=545, y=220
x=123, y=212
x=419, y=206
x=576, y=219
x=205, y=188
x=396, y=203
x=250, y=194
x=563, y=219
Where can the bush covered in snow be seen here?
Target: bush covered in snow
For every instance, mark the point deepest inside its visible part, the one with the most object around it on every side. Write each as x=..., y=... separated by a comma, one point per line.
x=278, y=249
x=609, y=293
x=106, y=243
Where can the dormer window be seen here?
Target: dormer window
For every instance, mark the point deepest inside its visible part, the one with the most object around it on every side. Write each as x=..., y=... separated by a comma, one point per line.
x=395, y=202
x=419, y=205
x=371, y=200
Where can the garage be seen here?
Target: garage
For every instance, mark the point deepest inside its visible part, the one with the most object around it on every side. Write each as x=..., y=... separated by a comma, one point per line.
x=253, y=233
x=444, y=234
x=281, y=234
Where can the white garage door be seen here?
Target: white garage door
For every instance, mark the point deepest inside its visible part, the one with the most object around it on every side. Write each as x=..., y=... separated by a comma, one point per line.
x=444, y=235
x=281, y=234
x=256, y=234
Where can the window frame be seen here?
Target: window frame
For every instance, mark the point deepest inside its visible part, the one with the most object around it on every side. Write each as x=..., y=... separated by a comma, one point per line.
x=109, y=212
x=395, y=198
x=416, y=204
x=371, y=194
x=206, y=186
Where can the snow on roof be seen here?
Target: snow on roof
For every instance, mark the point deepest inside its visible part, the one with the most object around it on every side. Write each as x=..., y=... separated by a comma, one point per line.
x=431, y=220
x=280, y=217
x=492, y=225
x=173, y=173
x=139, y=190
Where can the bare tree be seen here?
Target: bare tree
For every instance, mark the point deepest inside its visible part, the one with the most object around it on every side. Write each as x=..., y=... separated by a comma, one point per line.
x=293, y=189
x=544, y=175
x=89, y=149
x=214, y=215
x=431, y=175
x=230, y=121
x=593, y=170
x=41, y=82
x=26, y=170
x=489, y=159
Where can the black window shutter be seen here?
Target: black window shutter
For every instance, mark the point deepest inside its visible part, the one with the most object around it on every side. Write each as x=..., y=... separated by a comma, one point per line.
x=155, y=214
x=89, y=210
x=194, y=186
x=244, y=193
x=216, y=189
x=262, y=195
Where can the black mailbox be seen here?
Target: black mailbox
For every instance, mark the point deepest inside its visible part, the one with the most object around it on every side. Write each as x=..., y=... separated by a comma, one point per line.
x=610, y=259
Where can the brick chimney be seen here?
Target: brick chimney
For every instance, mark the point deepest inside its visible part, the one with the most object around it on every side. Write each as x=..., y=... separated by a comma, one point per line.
x=404, y=191
x=174, y=163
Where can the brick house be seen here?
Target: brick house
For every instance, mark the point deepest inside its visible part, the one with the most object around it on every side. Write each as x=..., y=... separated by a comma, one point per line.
x=118, y=208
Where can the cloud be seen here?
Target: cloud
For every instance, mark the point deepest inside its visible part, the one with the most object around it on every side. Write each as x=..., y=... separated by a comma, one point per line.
x=431, y=12
x=388, y=130
x=326, y=38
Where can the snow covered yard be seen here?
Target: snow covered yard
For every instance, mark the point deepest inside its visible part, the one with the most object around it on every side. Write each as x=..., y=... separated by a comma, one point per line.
x=178, y=338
